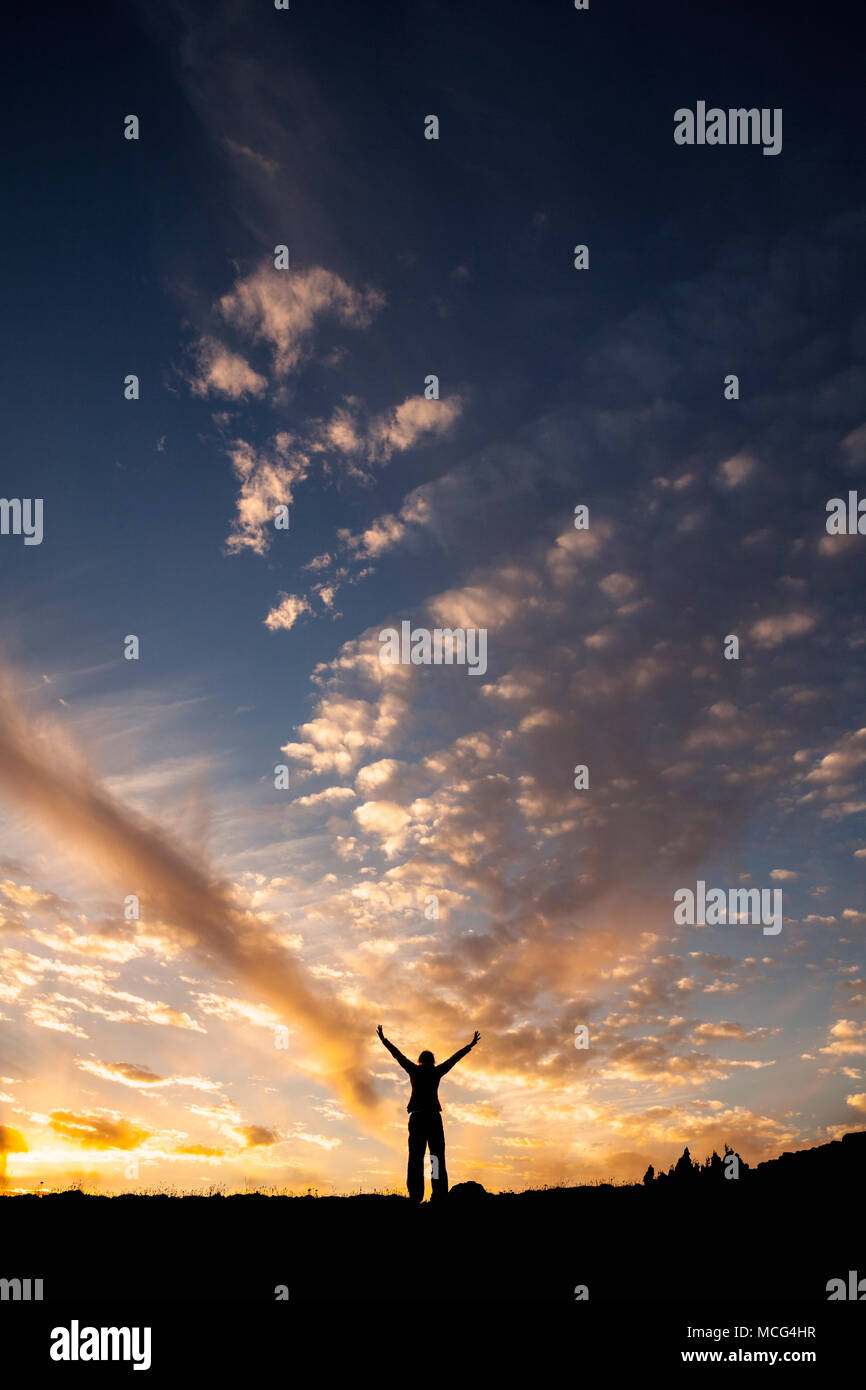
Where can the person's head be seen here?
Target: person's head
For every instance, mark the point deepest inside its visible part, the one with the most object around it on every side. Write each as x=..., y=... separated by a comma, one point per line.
x=426, y=1059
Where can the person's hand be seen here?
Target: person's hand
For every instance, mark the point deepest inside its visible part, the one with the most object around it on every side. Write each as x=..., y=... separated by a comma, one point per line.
x=475, y=1039
x=381, y=1034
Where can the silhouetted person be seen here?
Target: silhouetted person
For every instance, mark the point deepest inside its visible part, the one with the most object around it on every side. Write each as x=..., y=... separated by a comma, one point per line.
x=425, y=1118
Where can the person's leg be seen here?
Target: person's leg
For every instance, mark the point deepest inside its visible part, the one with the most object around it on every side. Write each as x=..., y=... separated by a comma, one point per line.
x=436, y=1139
x=415, y=1168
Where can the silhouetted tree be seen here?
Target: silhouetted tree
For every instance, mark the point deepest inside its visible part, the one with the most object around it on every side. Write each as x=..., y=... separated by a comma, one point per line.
x=744, y=1167
x=691, y=1171
x=684, y=1170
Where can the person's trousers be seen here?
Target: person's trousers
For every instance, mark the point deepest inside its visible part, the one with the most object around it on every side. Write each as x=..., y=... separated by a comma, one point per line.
x=425, y=1129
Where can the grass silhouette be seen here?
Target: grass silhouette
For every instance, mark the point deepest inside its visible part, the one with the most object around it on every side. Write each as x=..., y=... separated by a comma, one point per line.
x=781, y=1230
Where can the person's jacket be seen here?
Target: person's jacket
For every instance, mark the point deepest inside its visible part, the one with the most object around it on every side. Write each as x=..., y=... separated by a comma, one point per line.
x=425, y=1080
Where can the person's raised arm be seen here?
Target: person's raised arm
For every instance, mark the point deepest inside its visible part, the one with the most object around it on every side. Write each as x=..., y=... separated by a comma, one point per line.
x=394, y=1051
x=452, y=1061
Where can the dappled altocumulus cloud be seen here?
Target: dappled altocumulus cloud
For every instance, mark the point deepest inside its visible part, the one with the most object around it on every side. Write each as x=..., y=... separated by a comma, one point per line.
x=221, y=372
x=848, y=1038
x=399, y=429
x=435, y=867
x=26, y=973
x=554, y=907
x=679, y=750
x=279, y=312
x=269, y=477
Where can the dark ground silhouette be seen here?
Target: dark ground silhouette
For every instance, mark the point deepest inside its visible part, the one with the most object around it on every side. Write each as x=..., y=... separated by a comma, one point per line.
x=779, y=1231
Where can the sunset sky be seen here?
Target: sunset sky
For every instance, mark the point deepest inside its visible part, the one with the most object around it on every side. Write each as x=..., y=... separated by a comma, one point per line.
x=153, y=1043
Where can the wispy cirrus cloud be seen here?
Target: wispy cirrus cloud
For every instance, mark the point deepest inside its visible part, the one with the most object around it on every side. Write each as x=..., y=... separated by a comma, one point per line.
x=141, y=1078
x=82, y=819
